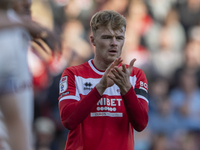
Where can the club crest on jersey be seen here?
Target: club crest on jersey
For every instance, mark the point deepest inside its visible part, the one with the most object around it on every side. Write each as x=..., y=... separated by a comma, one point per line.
x=63, y=84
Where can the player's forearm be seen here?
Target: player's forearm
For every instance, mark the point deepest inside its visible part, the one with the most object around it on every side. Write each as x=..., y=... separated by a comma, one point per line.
x=136, y=110
x=73, y=113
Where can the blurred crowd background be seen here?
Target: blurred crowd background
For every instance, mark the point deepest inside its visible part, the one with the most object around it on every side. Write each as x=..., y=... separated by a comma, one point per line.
x=164, y=37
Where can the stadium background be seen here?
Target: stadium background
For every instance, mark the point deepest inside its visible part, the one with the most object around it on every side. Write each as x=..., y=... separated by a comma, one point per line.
x=164, y=37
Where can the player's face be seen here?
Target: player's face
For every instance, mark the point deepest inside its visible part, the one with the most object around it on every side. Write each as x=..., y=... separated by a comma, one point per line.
x=108, y=43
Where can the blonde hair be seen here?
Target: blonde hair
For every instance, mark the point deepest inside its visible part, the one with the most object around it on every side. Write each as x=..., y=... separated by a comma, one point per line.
x=106, y=18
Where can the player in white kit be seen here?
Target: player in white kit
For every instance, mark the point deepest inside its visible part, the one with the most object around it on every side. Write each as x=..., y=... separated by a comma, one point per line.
x=16, y=93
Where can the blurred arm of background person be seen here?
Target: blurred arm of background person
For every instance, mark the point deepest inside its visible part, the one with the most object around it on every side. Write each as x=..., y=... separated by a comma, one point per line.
x=16, y=103
x=35, y=29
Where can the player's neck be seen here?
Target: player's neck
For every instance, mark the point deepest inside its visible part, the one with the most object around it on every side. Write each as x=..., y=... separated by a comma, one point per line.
x=100, y=65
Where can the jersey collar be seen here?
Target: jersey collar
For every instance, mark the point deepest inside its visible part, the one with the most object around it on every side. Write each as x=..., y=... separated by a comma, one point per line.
x=94, y=68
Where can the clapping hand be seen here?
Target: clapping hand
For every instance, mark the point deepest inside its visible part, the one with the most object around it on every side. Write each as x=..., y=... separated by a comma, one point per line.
x=120, y=76
x=105, y=81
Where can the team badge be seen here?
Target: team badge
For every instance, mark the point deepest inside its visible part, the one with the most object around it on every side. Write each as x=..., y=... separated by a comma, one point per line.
x=63, y=84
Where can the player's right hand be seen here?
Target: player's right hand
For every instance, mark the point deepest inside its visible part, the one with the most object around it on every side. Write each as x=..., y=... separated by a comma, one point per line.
x=105, y=81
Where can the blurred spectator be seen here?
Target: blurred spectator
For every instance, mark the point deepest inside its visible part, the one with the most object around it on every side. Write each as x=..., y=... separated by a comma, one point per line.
x=194, y=37
x=191, y=60
x=138, y=19
x=172, y=25
x=163, y=120
x=45, y=134
x=159, y=9
x=192, y=55
x=166, y=44
x=116, y=5
x=138, y=23
x=76, y=8
x=134, y=48
x=187, y=140
x=160, y=142
x=185, y=100
x=42, y=13
x=161, y=115
x=59, y=16
x=143, y=139
x=189, y=12
x=158, y=90
x=40, y=55
x=73, y=34
x=38, y=58
x=166, y=59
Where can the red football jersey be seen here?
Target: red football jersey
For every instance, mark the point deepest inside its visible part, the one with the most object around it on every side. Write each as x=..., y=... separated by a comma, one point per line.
x=101, y=122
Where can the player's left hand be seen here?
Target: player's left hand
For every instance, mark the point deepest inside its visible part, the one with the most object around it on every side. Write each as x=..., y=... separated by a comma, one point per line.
x=120, y=76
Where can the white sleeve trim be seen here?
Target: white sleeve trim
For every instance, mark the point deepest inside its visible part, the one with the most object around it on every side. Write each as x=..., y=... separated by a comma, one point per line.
x=69, y=97
x=144, y=98
x=143, y=89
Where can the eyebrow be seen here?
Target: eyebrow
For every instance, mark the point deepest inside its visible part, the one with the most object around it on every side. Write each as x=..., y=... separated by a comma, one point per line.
x=118, y=36
x=121, y=36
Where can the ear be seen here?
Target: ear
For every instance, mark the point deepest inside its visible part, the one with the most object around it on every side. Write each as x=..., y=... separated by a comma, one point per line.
x=92, y=40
